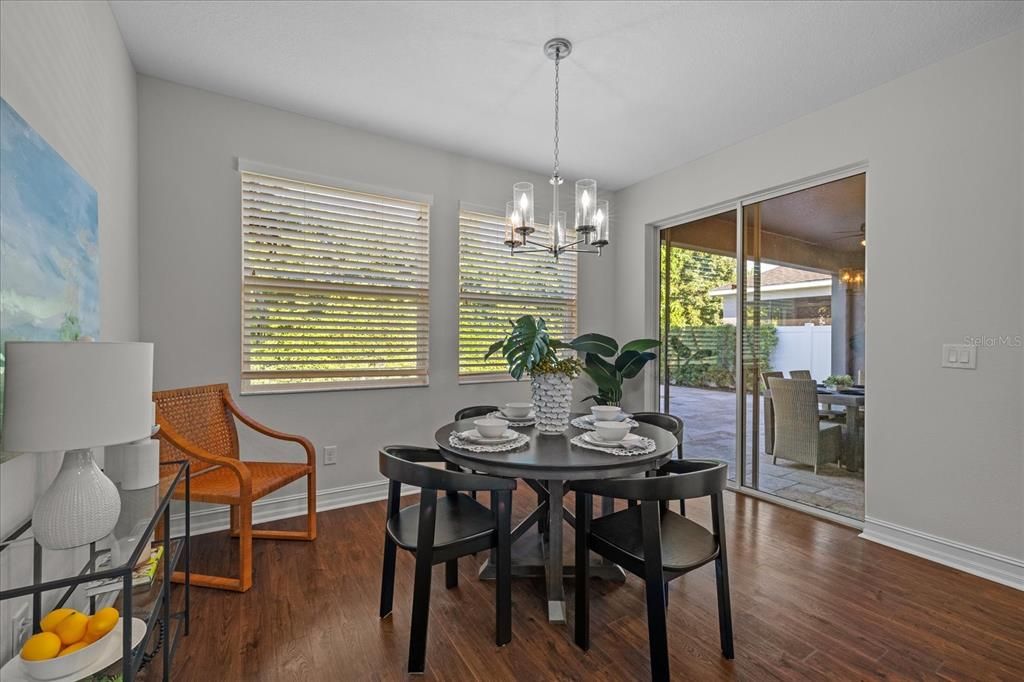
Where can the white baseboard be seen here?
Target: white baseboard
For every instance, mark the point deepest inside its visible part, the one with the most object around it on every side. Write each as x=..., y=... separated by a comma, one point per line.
x=213, y=519
x=980, y=562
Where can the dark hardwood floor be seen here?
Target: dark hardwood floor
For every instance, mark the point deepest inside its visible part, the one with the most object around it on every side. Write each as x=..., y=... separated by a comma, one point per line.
x=811, y=601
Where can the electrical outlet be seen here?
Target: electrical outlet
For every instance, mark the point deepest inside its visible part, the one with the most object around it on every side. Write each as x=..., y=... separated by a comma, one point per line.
x=330, y=454
x=21, y=628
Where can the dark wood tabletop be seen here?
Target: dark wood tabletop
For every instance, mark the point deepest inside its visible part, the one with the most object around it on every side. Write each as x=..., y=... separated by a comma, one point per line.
x=547, y=457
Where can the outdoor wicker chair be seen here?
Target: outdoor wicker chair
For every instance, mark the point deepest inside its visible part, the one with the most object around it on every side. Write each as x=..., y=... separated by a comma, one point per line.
x=799, y=435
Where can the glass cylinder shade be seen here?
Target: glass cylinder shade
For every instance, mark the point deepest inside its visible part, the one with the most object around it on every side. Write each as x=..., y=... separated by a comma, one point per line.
x=522, y=197
x=601, y=224
x=556, y=219
x=512, y=238
x=586, y=204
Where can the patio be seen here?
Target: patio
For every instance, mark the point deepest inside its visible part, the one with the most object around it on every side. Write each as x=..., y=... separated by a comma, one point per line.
x=709, y=417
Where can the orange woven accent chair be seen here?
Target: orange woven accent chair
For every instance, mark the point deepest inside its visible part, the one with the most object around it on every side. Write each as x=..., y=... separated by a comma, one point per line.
x=198, y=423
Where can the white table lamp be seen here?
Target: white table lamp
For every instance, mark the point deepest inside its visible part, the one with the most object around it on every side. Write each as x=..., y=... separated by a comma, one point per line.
x=73, y=396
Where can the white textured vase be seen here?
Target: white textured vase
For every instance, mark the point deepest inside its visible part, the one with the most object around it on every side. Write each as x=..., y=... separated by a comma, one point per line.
x=552, y=398
x=81, y=506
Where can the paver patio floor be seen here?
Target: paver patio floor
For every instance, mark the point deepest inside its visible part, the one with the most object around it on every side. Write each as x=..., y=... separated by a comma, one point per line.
x=709, y=418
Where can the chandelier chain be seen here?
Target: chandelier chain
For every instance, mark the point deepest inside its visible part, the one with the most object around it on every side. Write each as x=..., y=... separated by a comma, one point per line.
x=558, y=58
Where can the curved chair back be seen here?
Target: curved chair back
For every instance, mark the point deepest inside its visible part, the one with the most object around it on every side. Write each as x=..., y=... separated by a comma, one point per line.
x=681, y=479
x=802, y=374
x=406, y=464
x=669, y=422
x=474, y=411
x=765, y=376
x=795, y=402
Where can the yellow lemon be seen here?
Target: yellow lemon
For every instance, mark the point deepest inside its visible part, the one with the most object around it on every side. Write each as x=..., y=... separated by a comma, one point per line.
x=72, y=628
x=53, y=618
x=41, y=647
x=72, y=648
x=101, y=623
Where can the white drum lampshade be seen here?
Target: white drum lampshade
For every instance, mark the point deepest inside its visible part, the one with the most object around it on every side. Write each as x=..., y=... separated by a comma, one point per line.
x=73, y=396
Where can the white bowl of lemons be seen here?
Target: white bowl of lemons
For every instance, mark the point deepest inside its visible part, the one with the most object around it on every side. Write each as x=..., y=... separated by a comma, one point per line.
x=69, y=641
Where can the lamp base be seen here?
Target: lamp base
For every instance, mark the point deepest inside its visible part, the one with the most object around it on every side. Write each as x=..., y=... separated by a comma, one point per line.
x=81, y=506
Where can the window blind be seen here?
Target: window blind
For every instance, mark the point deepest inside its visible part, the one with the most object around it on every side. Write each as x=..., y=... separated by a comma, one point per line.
x=335, y=287
x=495, y=286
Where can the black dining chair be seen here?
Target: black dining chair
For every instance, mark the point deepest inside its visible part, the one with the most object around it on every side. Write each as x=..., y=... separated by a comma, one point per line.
x=440, y=530
x=656, y=544
x=673, y=425
x=475, y=411
x=472, y=412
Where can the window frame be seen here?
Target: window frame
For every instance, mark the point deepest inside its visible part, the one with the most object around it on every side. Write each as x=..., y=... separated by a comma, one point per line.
x=249, y=166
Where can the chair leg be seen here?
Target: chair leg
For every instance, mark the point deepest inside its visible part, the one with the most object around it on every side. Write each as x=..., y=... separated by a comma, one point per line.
x=722, y=579
x=311, y=505
x=233, y=522
x=503, y=589
x=245, y=546
x=421, y=581
x=654, y=588
x=387, y=580
x=584, y=509
x=451, y=573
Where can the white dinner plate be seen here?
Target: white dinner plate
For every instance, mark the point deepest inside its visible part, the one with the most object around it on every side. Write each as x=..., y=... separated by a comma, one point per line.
x=509, y=417
x=623, y=416
x=631, y=440
x=473, y=436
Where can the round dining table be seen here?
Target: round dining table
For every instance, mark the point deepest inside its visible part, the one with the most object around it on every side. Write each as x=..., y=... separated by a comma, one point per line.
x=546, y=463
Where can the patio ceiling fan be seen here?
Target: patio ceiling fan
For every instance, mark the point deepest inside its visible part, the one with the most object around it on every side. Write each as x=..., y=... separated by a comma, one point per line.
x=849, y=234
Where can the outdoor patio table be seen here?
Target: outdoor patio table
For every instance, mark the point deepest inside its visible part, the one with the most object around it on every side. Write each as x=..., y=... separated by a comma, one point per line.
x=546, y=463
x=853, y=441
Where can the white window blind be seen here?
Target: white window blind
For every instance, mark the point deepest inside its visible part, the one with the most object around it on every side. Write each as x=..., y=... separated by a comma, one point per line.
x=495, y=286
x=335, y=287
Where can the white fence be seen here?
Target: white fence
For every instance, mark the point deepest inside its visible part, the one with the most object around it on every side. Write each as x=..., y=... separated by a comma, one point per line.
x=806, y=347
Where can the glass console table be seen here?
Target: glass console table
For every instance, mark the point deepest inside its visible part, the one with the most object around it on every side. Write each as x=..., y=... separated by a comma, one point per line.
x=57, y=578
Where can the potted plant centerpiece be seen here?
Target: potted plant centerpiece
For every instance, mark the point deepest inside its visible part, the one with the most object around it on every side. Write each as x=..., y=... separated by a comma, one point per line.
x=529, y=349
x=839, y=381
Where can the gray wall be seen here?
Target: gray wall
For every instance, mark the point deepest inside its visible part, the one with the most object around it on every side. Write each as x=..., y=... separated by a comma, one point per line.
x=64, y=69
x=190, y=261
x=945, y=448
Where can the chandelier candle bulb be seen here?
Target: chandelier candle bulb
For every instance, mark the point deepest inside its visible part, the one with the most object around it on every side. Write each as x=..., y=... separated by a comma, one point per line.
x=522, y=197
x=600, y=237
x=586, y=203
x=556, y=219
x=512, y=238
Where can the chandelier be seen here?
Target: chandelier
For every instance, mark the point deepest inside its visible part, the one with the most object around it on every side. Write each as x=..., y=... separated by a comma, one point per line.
x=591, y=223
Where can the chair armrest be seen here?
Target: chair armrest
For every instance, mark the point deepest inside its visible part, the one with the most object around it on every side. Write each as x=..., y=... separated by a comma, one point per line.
x=306, y=444
x=241, y=471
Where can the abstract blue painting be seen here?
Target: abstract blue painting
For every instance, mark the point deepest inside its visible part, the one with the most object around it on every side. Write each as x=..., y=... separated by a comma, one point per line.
x=49, y=241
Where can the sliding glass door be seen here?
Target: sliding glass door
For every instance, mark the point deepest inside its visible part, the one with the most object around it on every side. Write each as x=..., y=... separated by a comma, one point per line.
x=793, y=311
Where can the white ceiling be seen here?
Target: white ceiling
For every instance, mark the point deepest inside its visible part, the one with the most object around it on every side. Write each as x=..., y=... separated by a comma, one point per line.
x=649, y=86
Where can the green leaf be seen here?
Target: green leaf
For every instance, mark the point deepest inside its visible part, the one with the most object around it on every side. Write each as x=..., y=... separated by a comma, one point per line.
x=595, y=343
x=640, y=345
x=630, y=363
x=495, y=347
x=526, y=346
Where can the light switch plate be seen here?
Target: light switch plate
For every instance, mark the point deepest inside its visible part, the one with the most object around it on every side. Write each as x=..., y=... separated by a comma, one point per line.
x=959, y=355
x=330, y=454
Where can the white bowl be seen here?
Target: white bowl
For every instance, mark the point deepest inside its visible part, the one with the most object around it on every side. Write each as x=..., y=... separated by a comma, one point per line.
x=613, y=432
x=63, y=666
x=518, y=410
x=607, y=413
x=489, y=427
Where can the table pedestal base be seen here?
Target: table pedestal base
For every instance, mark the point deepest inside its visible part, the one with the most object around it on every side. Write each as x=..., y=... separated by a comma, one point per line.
x=532, y=555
